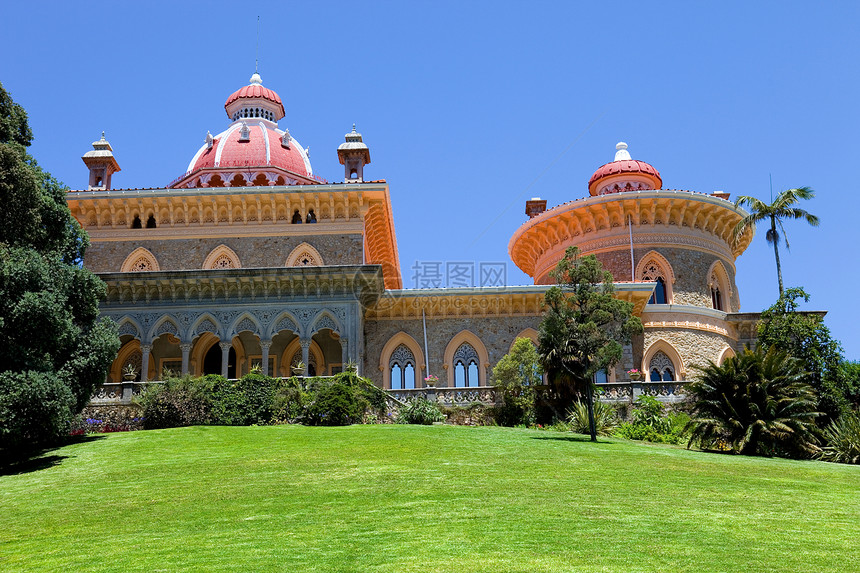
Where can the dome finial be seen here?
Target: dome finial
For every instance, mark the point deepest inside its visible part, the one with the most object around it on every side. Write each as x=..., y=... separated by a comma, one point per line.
x=621, y=153
x=353, y=127
x=256, y=80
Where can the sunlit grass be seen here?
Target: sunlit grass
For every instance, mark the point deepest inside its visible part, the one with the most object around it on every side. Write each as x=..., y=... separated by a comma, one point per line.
x=409, y=498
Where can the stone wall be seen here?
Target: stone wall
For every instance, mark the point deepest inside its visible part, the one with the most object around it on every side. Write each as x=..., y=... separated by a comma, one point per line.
x=689, y=266
x=497, y=334
x=696, y=347
x=185, y=254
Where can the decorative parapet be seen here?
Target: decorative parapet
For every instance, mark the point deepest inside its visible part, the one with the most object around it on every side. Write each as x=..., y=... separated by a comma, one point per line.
x=361, y=282
x=483, y=302
x=360, y=207
x=600, y=223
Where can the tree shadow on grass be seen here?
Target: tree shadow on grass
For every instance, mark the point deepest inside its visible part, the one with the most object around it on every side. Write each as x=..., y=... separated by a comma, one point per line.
x=572, y=438
x=16, y=462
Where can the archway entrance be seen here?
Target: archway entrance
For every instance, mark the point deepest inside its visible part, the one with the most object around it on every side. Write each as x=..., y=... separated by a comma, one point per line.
x=212, y=361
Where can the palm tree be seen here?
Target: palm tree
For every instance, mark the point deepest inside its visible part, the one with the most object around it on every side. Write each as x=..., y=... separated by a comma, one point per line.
x=755, y=403
x=782, y=208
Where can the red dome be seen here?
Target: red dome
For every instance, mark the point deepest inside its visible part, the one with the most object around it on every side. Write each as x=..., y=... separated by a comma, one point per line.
x=625, y=166
x=255, y=91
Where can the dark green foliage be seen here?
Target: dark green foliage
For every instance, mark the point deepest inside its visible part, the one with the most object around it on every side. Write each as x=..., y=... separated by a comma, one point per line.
x=583, y=327
x=605, y=418
x=650, y=422
x=419, y=411
x=177, y=402
x=14, y=127
x=51, y=336
x=805, y=337
x=843, y=440
x=335, y=404
x=756, y=403
x=515, y=377
x=849, y=377
x=288, y=401
x=243, y=402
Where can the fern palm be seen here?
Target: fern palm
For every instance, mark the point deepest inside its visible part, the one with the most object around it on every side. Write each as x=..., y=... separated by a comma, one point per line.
x=783, y=207
x=756, y=403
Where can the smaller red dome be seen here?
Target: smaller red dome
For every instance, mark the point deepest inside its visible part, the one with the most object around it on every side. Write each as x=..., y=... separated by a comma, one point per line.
x=626, y=166
x=642, y=175
x=255, y=91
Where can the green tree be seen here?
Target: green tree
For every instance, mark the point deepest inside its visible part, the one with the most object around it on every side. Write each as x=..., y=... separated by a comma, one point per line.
x=783, y=207
x=583, y=328
x=515, y=376
x=755, y=403
x=54, y=349
x=805, y=337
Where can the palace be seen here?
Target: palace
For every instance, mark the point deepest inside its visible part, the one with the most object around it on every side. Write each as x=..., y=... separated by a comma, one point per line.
x=250, y=259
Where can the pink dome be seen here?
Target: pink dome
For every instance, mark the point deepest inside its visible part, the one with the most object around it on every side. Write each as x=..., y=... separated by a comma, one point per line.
x=256, y=92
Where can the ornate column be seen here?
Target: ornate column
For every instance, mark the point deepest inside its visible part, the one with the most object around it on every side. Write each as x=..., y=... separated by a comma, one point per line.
x=306, y=347
x=225, y=356
x=145, y=349
x=264, y=346
x=186, y=350
x=344, y=352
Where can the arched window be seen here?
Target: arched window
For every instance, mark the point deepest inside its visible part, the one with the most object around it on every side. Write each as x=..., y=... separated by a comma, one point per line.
x=600, y=377
x=716, y=298
x=222, y=257
x=304, y=255
x=135, y=224
x=140, y=260
x=402, y=367
x=659, y=294
x=661, y=368
x=466, y=366
x=654, y=267
x=297, y=218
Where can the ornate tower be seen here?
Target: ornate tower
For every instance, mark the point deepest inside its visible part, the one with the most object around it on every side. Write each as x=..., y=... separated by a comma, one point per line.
x=353, y=155
x=101, y=164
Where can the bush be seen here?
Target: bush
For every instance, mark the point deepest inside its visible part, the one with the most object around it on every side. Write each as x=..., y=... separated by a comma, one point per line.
x=177, y=402
x=649, y=412
x=419, y=411
x=249, y=400
x=35, y=407
x=605, y=418
x=843, y=440
x=288, y=401
x=334, y=403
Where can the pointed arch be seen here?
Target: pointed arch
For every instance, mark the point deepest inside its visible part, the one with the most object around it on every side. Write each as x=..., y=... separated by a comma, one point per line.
x=304, y=255
x=222, y=257
x=468, y=337
x=389, y=348
x=203, y=324
x=284, y=321
x=325, y=319
x=128, y=326
x=164, y=325
x=529, y=333
x=140, y=260
x=662, y=345
x=245, y=321
x=129, y=353
x=653, y=266
x=719, y=286
x=727, y=352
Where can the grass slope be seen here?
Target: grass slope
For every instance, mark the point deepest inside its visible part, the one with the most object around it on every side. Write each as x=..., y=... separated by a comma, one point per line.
x=410, y=498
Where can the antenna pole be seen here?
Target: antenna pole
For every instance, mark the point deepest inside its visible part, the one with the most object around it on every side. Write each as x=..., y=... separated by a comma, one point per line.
x=257, y=50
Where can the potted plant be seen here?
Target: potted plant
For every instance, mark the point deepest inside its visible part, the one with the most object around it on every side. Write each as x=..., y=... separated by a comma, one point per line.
x=635, y=374
x=351, y=366
x=129, y=373
x=431, y=380
x=299, y=368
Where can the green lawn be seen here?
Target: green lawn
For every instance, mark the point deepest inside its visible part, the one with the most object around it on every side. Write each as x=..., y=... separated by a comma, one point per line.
x=410, y=498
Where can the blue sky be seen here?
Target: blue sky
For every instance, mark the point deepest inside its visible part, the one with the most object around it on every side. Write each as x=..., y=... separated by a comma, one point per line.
x=470, y=108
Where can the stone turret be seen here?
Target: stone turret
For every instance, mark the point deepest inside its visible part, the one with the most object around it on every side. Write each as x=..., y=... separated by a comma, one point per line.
x=101, y=163
x=353, y=155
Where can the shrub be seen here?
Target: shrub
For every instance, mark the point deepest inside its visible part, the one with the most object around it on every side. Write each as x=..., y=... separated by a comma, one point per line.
x=843, y=440
x=249, y=400
x=605, y=418
x=288, y=401
x=649, y=412
x=419, y=411
x=515, y=377
x=177, y=402
x=755, y=403
x=334, y=403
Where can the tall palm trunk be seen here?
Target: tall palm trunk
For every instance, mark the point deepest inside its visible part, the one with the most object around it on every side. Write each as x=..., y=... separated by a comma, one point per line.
x=776, y=251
